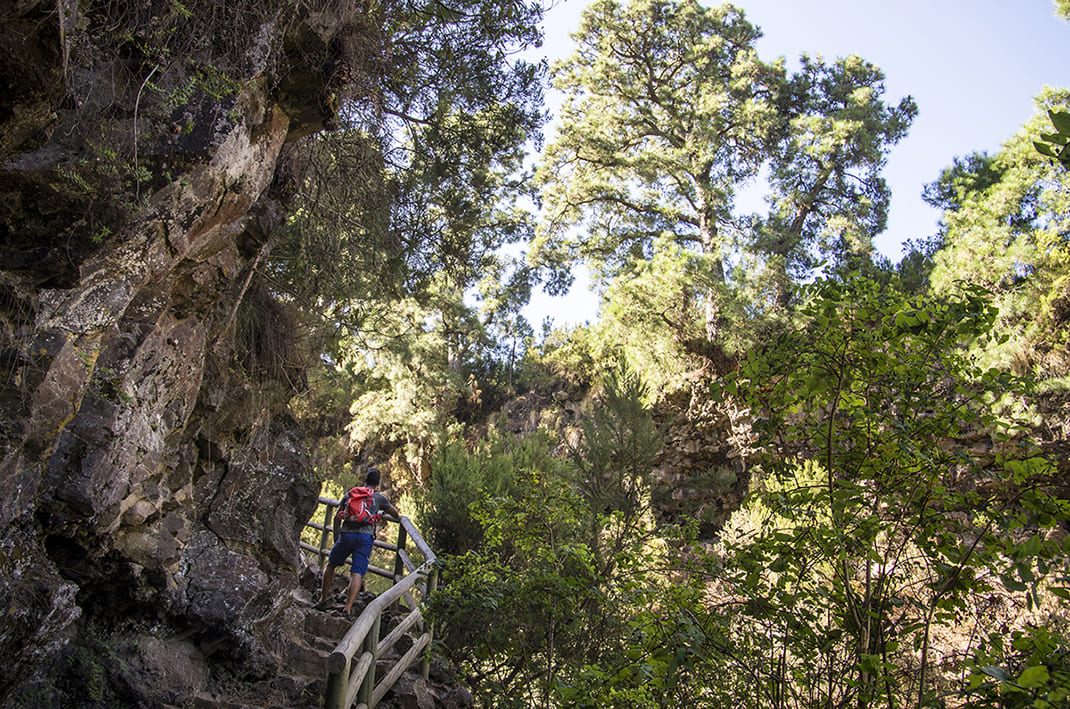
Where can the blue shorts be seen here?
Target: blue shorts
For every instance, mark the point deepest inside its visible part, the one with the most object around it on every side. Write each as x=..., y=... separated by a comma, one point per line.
x=357, y=544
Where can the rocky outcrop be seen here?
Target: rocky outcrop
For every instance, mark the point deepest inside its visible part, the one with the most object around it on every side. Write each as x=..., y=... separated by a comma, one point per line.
x=703, y=470
x=150, y=485
x=700, y=475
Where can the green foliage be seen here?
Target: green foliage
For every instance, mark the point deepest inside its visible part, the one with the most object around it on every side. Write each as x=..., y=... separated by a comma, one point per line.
x=667, y=111
x=659, y=297
x=422, y=181
x=394, y=249
x=76, y=180
x=107, y=171
x=612, y=460
x=565, y=561
x=828, y=198
x=871, y=532
x=406, y=387
x=965, y=178
x=1004, y=227
x=569, y=359
x=460, y=479
x=914, y=269
x=1033, y=669
x=668, y=655
x=1056, y=145
x=513, y=610
x=95, y=667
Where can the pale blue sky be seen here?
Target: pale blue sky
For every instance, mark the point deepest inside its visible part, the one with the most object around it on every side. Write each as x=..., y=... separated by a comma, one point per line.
x=972, y=67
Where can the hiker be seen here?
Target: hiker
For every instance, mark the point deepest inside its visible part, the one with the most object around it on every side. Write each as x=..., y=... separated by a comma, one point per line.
x=354, y=533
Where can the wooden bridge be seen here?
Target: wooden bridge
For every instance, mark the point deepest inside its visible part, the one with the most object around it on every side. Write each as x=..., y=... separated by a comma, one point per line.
x=351, y=667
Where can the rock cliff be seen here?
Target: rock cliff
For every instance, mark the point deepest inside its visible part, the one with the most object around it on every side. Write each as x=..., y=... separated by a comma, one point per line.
x=150, y=481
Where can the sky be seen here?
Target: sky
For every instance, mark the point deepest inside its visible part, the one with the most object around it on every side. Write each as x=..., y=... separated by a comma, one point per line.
x=973, y=67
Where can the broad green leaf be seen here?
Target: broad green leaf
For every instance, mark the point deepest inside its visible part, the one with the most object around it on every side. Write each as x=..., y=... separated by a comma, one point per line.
x=998, y=672
x=1061, y=121
x=1034, y=677
x=1046, y=149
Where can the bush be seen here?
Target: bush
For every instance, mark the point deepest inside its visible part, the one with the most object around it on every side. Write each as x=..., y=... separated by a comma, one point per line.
x=460, y=478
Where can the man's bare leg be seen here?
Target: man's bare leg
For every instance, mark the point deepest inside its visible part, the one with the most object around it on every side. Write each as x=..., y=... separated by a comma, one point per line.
x=355, y=581
x=328, y=581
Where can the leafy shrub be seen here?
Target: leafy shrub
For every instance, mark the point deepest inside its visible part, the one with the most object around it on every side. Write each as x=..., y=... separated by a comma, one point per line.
x=874, y=534
x=460, y=479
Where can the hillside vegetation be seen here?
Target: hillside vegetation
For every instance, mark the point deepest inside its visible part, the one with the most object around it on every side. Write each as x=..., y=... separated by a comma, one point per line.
x=278, y=245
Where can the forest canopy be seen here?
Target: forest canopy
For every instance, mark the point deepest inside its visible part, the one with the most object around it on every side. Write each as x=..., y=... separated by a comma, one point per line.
x=779, y=469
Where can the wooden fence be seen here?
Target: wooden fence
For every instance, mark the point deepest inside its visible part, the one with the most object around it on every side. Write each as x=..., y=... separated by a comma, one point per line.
x=351, y=667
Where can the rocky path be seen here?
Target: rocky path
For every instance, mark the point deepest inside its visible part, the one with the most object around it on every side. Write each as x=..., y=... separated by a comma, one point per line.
x=303, y=650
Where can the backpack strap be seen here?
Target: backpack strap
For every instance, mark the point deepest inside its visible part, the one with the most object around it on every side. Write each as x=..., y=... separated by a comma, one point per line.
x=343, y=505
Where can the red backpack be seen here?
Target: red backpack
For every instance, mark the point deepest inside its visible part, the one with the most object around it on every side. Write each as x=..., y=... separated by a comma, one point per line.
x=361, y=506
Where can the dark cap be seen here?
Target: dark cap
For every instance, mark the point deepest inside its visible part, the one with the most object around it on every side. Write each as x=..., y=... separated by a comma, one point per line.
x=372, y=477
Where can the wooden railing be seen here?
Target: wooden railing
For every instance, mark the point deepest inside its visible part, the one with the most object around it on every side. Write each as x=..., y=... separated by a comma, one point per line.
x=349, y=681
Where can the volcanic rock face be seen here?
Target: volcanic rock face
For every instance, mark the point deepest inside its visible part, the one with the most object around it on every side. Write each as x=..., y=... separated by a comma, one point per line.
x=143, y=476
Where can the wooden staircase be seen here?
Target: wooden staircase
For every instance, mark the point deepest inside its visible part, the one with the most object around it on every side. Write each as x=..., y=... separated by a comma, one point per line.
x=374, y=659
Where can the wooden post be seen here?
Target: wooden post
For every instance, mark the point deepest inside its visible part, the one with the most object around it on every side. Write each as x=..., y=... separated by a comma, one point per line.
x=399, y=565
x=336, y=688
x=432, y=584
x=371, y=645
x=323, y=537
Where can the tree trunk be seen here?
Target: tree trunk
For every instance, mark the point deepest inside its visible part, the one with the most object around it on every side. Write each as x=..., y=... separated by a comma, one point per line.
x=778, y=265
x=714, y=292
x=778, y=261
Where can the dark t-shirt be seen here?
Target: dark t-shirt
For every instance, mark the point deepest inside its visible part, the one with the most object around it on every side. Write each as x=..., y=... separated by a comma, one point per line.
x=379, y=502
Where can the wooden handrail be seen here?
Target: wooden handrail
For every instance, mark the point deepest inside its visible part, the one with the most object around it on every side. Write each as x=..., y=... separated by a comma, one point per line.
x=347, y=679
